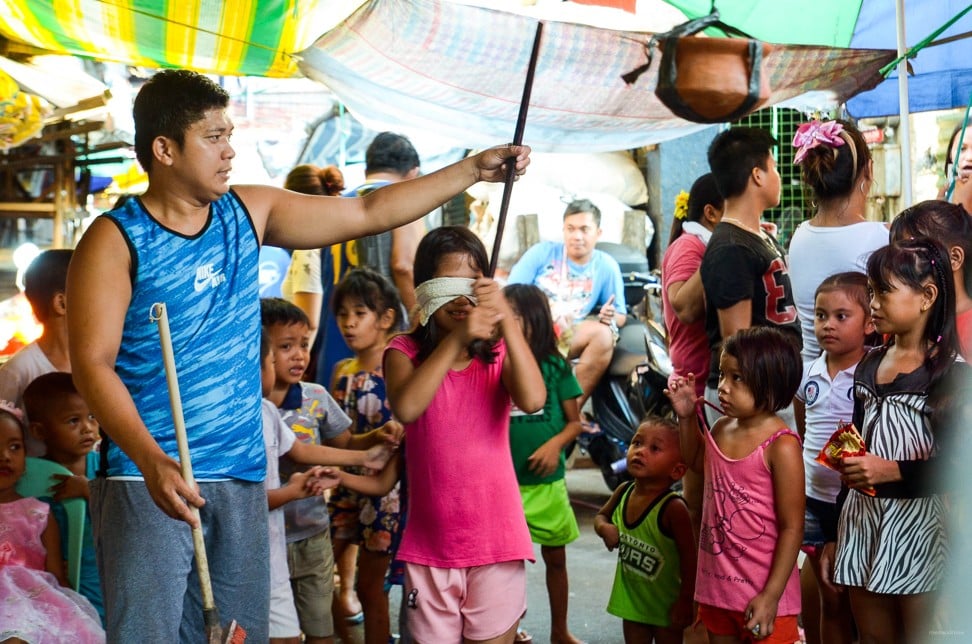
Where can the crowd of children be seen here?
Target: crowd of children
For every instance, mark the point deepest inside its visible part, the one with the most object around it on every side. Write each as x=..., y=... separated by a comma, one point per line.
x=448, y=508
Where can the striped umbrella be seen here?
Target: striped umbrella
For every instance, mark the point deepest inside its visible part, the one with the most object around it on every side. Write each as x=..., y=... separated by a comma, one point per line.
x=237, y=37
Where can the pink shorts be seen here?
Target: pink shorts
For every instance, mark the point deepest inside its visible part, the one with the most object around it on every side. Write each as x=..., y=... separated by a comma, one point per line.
x=478, y=603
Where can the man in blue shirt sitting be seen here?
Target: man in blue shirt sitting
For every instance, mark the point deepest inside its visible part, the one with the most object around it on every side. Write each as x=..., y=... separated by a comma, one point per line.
x=577, y=278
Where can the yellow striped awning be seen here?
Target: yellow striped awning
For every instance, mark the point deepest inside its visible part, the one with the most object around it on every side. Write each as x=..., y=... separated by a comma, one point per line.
x=227, y=37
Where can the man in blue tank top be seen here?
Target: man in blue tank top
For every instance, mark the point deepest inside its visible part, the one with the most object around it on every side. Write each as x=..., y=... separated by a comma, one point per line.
x=192, y=242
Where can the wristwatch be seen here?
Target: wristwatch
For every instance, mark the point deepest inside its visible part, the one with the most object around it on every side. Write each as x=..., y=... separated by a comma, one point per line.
x=615, y=333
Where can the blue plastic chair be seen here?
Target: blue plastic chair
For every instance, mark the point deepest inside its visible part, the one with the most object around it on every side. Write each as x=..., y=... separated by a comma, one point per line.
x=38, y=480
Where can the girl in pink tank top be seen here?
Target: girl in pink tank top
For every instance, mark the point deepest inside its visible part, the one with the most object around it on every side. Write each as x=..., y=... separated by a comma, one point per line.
x=747, y=583
x=450, y=382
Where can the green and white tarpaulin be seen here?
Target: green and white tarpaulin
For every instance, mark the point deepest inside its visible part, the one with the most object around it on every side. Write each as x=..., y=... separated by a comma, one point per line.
x=230, y=37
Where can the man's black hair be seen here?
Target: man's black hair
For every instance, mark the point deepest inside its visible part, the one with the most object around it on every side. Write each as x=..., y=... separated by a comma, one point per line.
x=168, y=104
x=578, y=206
x=390, y=152
x=44, y=278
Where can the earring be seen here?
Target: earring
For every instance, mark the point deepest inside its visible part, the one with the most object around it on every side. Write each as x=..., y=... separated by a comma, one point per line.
x=861, y=186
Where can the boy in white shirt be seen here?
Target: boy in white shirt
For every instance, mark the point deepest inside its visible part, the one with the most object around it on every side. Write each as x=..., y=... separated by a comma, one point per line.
x=280, y=440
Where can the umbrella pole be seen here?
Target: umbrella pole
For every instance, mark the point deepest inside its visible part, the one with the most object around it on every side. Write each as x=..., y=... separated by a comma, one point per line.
x=517, y=140
x=904, y=108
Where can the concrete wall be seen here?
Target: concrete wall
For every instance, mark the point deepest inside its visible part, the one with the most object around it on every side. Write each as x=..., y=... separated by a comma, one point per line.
x=672, y=167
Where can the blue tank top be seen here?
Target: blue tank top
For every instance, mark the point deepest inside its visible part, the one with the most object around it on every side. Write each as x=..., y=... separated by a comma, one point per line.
x=209, y=284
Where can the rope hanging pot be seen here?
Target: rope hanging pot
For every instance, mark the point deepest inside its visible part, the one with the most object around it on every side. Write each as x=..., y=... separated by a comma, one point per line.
x=708, y=80
x=712, y=80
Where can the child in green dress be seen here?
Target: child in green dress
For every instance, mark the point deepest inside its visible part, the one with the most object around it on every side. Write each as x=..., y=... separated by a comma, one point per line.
x=537, y=442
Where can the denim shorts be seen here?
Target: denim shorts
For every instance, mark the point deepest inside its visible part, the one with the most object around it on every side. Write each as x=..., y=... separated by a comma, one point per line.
x=820, y=520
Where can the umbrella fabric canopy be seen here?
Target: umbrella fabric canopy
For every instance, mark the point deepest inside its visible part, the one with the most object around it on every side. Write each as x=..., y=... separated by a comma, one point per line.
x=804, y=22
x=247, y=37
x=942, y=74
x=459, y=70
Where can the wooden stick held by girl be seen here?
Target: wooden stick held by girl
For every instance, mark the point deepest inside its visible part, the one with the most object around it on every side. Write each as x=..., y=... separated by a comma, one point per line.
x=450, y=382
x=747, y=583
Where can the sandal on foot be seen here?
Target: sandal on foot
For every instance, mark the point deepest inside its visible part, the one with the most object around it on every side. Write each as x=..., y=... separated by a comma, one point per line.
x=522, y=637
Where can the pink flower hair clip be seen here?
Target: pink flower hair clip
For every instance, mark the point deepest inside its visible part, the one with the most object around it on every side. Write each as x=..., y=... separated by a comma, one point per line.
x=13, y=410
x=816, y=133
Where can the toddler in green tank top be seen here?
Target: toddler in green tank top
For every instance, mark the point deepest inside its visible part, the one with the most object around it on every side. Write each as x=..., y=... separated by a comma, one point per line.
x=649, y=523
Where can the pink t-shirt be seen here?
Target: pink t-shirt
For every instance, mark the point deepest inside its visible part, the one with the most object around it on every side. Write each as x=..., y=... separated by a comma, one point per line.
x=739, y=532
x=688, y=346
x=464, y=506
x=963, y=324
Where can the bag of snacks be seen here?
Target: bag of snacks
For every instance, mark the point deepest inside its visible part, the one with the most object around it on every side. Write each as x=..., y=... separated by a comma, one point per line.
x=844, y=442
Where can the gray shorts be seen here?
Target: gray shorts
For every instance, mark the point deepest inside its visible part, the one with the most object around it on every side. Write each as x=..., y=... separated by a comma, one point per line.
x=148, y=570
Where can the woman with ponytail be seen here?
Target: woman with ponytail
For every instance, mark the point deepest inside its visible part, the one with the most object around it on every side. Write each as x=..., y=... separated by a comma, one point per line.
x=836, y=168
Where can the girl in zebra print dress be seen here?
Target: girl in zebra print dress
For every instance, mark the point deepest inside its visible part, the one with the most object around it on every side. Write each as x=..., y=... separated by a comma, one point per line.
x=891, y=548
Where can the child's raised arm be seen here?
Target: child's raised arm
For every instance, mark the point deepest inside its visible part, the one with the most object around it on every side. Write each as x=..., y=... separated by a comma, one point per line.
x=379, y=484
x=785, y=460
x=51, y=539
x=604, y=525
x=410, y=388
x=312, y=454
x=521, y=374
x=681, y=391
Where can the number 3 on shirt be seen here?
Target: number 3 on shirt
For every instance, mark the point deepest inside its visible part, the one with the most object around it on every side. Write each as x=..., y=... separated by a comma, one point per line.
x=776, y=294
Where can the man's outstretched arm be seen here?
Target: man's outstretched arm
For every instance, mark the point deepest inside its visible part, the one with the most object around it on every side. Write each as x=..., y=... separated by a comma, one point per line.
x=293, y=220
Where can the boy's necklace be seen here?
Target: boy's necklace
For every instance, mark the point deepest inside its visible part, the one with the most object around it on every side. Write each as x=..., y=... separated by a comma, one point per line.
x=740, y=224
x=759, y=232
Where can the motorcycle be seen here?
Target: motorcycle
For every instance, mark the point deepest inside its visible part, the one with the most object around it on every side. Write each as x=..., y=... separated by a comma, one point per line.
x=634, y=383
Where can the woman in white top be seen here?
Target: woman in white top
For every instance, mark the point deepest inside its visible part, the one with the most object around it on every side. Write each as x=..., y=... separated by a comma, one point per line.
x=836, y=168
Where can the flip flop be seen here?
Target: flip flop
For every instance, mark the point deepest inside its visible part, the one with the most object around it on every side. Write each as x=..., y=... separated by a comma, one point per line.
x=355, y=619
x=522, y=637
